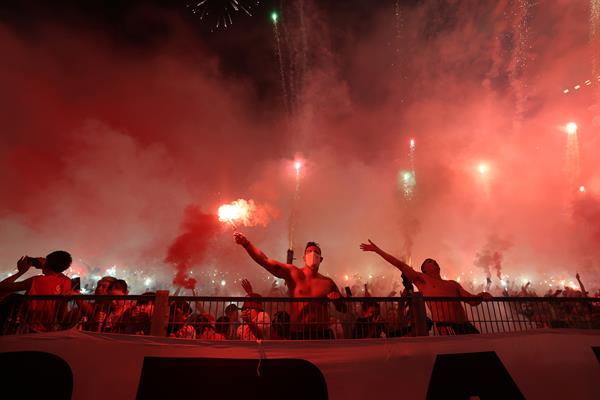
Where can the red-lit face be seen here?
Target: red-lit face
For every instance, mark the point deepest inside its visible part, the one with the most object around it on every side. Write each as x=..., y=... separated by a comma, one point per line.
x=250, y=314
x=312, y=257
x=430, y=267
x=102, y=287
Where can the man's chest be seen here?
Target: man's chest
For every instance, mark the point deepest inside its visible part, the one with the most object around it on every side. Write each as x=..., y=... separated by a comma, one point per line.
x=312, y=288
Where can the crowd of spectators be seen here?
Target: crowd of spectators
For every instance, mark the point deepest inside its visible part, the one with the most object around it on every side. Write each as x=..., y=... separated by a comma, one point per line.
x=254, y=320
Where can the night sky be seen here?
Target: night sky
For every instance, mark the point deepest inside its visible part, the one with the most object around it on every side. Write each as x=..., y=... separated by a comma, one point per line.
x=126, y=125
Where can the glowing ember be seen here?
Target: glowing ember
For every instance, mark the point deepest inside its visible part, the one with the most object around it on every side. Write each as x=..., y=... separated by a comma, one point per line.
x=412, y=143
x=482, y=168
x=571, y=128
x=582, y=189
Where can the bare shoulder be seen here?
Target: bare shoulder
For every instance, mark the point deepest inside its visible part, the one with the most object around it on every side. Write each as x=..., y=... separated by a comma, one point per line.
x=330, y=281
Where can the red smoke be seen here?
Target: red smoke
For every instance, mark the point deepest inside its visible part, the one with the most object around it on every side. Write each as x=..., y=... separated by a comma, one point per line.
x=190, y=246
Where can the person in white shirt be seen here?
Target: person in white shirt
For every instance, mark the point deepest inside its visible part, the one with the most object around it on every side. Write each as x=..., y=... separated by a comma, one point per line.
x=256, y=323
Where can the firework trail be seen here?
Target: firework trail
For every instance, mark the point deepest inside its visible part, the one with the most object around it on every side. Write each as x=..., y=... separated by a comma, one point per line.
x=284, y=91
x=572, y=162
x=400, y=41
x=595, y=53
x=292, y=223
x=521, y=13
x=291, y=51
x=304, y=41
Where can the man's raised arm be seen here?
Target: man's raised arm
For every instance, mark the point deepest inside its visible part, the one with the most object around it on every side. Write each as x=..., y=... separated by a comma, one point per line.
x=476, y=298
x=10, y=285
x=583, y=291
x=410, y=273
x=276, y=268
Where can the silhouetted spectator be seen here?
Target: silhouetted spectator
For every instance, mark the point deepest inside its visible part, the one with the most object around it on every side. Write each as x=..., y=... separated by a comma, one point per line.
x=369, y=324
x=280, y=326
x=41, y=315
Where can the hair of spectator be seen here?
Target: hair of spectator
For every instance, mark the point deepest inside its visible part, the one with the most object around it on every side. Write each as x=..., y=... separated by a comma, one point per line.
x=429, y=260
x=107, y=278
x=118, y=284
x=231, y=308
x=314, y=244
x=58, y=261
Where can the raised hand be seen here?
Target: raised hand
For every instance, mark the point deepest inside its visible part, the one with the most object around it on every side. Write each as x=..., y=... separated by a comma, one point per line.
x=369, y=246
x=247, y=286
x=240, y=238
x=23, y=264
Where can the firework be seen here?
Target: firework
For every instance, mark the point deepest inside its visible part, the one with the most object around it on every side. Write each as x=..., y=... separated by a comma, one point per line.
x=282, y=75
x=407, y=179
x=521, y=13
x=483, y=169
x=219, y=13
x=572, y=153
x=292, y=223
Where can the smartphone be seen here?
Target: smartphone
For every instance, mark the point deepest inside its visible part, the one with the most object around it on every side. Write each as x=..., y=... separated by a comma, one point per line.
x=76, y=283
x=348, y=291
x=35, y=262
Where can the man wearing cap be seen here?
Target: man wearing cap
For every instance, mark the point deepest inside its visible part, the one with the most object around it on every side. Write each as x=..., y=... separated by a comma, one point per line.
x=256, y=324
x=309, y=320
x=449, y=315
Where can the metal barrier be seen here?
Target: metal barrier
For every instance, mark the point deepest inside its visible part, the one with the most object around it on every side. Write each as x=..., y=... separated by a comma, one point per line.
x=244, y=318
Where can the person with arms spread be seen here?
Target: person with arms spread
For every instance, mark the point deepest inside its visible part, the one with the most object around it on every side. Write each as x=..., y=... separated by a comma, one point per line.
x=309, y=320
x=449, y=317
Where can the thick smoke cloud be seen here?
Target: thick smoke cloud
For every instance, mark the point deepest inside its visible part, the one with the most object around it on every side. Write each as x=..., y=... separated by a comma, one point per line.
x=190, y=247
x=105, y=144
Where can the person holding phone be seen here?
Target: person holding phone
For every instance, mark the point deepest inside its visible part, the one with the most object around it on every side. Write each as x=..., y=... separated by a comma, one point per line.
x=41, y=315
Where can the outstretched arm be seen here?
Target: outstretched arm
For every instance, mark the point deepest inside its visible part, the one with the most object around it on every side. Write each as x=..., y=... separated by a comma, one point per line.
x=581, y=285
x=477, y=298
x=276, y=268
x=9, y=284
x=410, y=273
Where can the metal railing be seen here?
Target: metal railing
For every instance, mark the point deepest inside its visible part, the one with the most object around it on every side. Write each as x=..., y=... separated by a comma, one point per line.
x=243, y=318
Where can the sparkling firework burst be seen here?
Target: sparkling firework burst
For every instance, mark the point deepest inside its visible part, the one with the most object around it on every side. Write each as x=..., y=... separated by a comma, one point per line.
x=219, y=13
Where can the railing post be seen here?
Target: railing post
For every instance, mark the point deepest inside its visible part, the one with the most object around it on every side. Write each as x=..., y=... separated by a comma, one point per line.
x=160, y=317
x=419, y=315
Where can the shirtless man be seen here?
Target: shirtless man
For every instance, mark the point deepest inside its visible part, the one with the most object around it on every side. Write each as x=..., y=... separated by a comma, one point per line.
x=448, y=315
x=309, y=320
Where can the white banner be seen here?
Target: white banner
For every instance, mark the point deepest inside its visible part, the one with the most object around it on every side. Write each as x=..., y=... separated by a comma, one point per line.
x=532, y=365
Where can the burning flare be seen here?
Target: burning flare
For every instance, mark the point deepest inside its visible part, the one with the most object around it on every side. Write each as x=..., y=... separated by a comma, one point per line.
x=245, y=212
